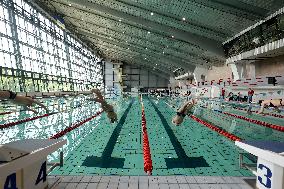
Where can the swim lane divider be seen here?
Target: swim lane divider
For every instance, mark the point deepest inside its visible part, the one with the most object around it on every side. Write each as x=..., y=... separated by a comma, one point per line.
x=217, y=129
x=11, y=124
x=272, y=115
x=261, y=123
x=148, y=166
x=4, y=113
x=74, y=126
x=7, y=125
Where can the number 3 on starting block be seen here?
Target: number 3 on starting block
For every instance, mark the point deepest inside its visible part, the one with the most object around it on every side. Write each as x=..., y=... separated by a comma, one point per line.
x=269, y=175
x=265, y=179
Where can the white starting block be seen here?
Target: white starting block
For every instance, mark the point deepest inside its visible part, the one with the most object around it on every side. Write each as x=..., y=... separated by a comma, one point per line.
x=23, y=164
x=270, y=162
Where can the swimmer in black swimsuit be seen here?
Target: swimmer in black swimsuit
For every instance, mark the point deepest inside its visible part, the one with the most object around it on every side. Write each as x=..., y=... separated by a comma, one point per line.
x=275, y=103
x=182, y=112
x=105, y=106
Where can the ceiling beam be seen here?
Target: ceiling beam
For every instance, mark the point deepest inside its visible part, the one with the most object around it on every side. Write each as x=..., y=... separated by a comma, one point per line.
x=131, y=54
x=190, y=22
x=210, y=45
x=235, y=7
x=175, y=61
x=194, y=57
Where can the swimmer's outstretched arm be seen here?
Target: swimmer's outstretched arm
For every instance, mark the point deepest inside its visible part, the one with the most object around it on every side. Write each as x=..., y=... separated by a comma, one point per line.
x=41, y=105
x=184, y=107
x=29, y=109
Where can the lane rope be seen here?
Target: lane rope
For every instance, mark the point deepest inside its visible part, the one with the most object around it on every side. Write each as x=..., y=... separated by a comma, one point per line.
x=11, y=124
x=148, y=165
x=74, y=126
x=267, y=114
x=216, y=129
x=261, y=123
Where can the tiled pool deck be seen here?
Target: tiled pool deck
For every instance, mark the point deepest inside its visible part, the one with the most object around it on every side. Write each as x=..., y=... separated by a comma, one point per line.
x=151, y=182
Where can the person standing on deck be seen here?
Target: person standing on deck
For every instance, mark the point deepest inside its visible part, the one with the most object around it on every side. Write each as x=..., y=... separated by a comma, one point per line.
x=250, y=94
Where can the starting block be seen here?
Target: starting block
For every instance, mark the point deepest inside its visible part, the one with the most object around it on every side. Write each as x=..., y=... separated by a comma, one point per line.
x=23, y=163
x=270, y=162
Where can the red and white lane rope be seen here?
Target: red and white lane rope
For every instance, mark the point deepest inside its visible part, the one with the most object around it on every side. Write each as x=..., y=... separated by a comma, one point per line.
x=4, y=113
x=148, y=166
x=11, y=124
x=74, y=126
x=261, y=123
x=272, y=115
x=216, y=129
x=7, y=125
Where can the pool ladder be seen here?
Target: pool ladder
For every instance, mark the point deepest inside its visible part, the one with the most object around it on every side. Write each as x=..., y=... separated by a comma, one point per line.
x=251, y=167
x=54, y=165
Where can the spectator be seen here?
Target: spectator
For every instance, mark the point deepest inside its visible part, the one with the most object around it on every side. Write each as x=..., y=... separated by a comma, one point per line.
x=250, y=94
x=239, y=96
x=223, y=93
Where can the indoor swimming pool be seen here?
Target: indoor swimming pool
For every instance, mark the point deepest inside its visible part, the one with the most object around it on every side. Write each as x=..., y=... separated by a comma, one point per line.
x=97, y=147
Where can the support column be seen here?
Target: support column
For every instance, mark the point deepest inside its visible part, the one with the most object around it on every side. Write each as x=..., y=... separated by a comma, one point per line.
x=198, y=72
x=250, y=70
x=237, y=70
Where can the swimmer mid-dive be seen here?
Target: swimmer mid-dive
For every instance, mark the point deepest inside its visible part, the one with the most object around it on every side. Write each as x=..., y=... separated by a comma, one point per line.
x=275, y=103
x=105, y=106
x=183, y=111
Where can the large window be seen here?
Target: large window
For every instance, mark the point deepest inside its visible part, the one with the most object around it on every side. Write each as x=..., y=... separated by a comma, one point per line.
x=38, y=55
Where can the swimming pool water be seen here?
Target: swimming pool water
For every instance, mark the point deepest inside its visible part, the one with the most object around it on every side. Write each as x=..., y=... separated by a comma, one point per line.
x=99, y=147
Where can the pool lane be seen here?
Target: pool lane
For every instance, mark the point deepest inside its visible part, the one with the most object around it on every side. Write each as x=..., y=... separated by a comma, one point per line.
x=190, y=149
x=110, y=149
x=197, y=141
x=241, y=128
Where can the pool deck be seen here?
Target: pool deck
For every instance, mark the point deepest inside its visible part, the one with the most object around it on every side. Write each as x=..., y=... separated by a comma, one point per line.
x=152, y=182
